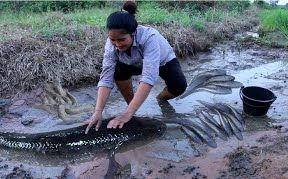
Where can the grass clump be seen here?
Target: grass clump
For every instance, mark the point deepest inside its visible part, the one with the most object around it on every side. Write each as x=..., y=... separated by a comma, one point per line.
x=153, y=13
x=274, y=20
x=273, y=28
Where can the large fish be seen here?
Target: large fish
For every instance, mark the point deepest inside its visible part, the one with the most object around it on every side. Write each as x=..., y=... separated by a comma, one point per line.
x=75, y=139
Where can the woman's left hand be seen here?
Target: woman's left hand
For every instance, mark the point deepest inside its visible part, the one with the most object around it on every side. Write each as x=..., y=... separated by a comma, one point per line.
x=119, y=121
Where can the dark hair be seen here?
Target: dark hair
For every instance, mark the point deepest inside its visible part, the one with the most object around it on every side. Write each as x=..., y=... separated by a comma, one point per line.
x=124, y=19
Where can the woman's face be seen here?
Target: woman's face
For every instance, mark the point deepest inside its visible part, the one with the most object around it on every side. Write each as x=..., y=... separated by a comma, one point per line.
x=122, y=41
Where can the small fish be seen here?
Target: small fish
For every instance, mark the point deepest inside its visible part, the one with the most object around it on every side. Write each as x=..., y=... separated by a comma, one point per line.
x=210, y=118
x=228, y=84
x=200, y=130
x=234, y=120
x=192, y=86
x=229, y=109
x=224, y=123
x=205, y=135
x=228, y=117
x=236, y=114
x=212, y=106
x=194, y=125
x=213, y=127
x=199, y=80
x=213, y=72
x=220, y=78
x=191, y=134
x=215, y=89
x=234, y=128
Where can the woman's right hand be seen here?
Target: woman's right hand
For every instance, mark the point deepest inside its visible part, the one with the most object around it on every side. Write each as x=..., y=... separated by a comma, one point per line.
x=96, y=119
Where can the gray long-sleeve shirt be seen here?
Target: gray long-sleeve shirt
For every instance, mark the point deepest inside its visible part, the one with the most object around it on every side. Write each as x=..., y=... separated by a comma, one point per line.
x=148, y=51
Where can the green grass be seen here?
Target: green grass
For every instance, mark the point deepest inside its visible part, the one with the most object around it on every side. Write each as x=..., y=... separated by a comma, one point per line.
x=152, y=13
x=50, y=23
x=92, y=16
x=149, y=13
x=274, y=20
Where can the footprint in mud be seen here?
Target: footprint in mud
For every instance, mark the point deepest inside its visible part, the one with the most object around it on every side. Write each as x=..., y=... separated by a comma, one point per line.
x=167, y=168
x=194, y=171
x=240, y=165
x=19, y=172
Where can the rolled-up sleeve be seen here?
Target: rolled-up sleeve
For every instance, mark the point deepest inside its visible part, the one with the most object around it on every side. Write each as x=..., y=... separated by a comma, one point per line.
x=108, y=66
x=151, y=60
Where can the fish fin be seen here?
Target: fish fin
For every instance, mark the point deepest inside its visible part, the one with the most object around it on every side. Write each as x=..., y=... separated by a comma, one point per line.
x=113, y=168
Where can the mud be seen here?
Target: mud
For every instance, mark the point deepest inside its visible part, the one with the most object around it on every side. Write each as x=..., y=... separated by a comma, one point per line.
x=262, y=154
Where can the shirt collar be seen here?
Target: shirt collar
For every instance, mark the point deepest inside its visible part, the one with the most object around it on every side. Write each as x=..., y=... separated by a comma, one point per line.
x=134, y=39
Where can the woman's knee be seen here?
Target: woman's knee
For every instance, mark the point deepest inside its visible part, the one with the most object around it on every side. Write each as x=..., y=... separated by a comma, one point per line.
x=178, y=88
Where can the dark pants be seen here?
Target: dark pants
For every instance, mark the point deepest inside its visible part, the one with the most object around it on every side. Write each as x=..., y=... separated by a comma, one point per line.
x=171, y=73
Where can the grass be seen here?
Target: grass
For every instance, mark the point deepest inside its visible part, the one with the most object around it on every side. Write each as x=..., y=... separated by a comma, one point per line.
x=50, y=23
x=76, y=53
x=274, y=20
x=274, y=27
x=150, y=13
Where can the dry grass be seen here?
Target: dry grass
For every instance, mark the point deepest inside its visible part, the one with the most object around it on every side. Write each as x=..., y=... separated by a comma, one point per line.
x=185, y=41
x=227, y=29
x=75, y=57
x=67, y=59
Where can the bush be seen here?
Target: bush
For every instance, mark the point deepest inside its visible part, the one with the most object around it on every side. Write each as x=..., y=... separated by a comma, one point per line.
x=238, y=6
x=44, y=6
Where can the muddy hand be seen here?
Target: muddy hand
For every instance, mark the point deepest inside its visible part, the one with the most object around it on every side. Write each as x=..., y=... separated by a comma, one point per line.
x=119, y=121
x=96, y=119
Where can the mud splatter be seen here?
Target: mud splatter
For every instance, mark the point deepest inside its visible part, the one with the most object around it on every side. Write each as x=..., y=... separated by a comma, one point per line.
x=19, y=172
x=167, y=168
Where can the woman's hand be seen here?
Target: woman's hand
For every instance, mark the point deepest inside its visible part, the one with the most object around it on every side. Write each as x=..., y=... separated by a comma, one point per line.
x=120, y=120
x=96, y=119
x=139, y=97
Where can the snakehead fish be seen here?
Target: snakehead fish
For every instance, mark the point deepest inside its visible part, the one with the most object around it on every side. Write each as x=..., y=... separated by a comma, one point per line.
x=75, y=139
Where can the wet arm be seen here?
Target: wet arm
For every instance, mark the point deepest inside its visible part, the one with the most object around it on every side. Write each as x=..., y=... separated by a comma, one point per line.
x=102, y=96
x=140, y=96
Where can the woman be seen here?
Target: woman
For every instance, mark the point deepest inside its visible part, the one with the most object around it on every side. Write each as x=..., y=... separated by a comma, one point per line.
x=132, y=49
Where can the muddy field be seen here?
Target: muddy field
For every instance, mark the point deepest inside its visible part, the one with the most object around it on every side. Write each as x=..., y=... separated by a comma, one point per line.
x=262, y=154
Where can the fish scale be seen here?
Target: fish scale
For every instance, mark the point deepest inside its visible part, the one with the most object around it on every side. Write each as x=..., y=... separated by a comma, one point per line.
x=75, y=139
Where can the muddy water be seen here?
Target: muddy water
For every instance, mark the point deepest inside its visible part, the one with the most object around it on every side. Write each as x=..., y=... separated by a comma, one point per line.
x=173, y=155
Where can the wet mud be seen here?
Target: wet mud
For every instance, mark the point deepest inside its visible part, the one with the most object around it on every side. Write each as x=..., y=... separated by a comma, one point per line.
x=263, y=153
